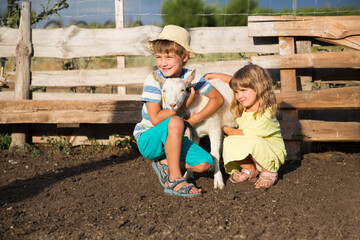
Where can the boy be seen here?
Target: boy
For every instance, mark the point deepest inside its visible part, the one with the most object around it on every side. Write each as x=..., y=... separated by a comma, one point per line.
x=160, y=134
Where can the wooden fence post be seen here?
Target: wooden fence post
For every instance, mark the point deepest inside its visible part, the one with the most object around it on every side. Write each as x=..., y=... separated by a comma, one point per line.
x=22, y=76
x=304, y=46
x=288, y=84
x=119, y=18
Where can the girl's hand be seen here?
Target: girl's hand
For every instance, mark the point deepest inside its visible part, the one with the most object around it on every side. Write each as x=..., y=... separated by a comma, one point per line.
x=224, y=77
x=208, y=76
x=232, y=131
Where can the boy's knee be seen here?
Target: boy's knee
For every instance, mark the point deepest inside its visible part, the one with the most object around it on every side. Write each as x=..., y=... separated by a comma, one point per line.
x=176, y=123
x=201, y=167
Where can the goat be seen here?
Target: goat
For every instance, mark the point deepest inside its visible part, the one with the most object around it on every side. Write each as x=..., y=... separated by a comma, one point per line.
x=174, y=93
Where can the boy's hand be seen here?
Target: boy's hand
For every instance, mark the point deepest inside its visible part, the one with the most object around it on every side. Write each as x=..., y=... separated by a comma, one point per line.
x=193, y=119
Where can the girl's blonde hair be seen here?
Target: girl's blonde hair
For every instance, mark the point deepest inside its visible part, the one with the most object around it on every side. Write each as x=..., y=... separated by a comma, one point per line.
x=258, y=79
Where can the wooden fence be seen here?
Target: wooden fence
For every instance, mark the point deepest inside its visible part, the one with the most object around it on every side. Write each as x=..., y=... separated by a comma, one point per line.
x=283, y=45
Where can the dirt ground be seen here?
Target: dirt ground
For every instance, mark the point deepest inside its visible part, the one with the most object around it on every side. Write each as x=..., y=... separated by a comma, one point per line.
x=114, y=194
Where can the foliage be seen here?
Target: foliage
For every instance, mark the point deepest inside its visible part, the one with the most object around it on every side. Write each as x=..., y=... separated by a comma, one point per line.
x=5, y=141
x=59, y=143
x=123, y=141
x=235, y=12
x=11, y=17
x=328, y=11
x=75, y=63
x=194, y=13
x=28, y=149
x=186, y=13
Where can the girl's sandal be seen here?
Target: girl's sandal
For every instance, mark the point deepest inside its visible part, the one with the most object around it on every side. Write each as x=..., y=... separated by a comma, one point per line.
x=241, y=177
x=183, y=191
x=268, y=177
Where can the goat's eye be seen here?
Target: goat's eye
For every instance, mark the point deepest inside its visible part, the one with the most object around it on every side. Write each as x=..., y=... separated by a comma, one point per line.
x=182, y=90
x=164, y=91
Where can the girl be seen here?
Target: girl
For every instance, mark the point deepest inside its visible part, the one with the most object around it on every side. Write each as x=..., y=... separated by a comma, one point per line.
x=256, y=145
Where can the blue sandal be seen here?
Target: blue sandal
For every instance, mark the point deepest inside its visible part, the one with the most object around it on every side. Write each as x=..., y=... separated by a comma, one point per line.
x=183, y=191
x=160, y=171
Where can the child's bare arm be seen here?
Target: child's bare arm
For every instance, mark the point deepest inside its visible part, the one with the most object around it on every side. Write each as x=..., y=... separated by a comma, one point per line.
x=216, y=100
x=157, y=115
x=232, y=131
x=224, y=77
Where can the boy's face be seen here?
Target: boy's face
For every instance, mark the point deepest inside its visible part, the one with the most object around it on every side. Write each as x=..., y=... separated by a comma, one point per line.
x=170, y=64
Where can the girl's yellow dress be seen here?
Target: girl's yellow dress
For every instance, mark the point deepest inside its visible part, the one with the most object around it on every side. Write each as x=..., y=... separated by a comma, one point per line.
x=262, y=139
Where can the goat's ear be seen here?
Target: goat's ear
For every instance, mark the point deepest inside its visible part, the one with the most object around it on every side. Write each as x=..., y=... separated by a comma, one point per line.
x=190, y=77
x=158, y=78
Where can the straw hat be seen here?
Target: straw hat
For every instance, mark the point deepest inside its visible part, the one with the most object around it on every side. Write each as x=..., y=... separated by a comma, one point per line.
x=176, y=34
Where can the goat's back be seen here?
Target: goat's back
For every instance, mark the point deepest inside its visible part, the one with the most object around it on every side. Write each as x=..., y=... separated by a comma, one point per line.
x=222, y=115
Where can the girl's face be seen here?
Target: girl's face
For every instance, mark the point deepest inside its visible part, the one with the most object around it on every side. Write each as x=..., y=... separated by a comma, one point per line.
x=247, y=98
x=170, y=64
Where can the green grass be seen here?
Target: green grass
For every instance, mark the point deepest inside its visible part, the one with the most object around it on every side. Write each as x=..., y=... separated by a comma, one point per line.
x=5, y=141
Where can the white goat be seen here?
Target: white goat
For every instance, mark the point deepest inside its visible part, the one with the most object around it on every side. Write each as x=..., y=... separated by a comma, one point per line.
x=174, y=93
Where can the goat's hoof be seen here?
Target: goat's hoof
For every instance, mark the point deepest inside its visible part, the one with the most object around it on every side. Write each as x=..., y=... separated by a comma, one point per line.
x=219, y=185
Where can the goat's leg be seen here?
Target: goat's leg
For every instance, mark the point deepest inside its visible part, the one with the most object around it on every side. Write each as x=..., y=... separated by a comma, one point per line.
x=215, y=143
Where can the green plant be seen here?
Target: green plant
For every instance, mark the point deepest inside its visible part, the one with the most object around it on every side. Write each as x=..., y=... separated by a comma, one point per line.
x=94, y=145
x=59, y=143
x=123, y=141
x=28, y=149
x=5, y=141
x=11, y=18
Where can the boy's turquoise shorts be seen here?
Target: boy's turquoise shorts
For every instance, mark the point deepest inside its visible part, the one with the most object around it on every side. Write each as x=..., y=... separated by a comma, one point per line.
x=151, y=144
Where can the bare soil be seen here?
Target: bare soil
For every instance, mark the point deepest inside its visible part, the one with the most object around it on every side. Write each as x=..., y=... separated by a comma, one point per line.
x=114, y=194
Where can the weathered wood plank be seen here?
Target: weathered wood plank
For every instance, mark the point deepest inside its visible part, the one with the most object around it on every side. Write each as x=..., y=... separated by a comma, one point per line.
x=34, y=111
x=22, y=76
x=331, y=98
x=39, y=111
x=84, y=96
x=120, y=77
x=8, y=95
x=72, y=42
x=288, y=84
x=226, y=40
x=350, y=42
x=320, y=131
x=349, y=59
x=325, y=27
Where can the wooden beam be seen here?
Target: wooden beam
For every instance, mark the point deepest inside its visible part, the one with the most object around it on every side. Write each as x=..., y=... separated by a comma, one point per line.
x=42, y=111
x=84, y=96
x=350, y=42
x=288, y=84
x=120, y=77
x=320, y=131
x=22, y=77
x=332, y=27
x=119, y=22
x=331, y=98
x=73, y=42
x=349, y=59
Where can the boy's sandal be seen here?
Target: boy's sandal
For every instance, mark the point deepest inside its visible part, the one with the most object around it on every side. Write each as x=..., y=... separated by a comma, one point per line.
x=268, y=177
x=160, y=171
x=183, y=191
x=241, y=177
